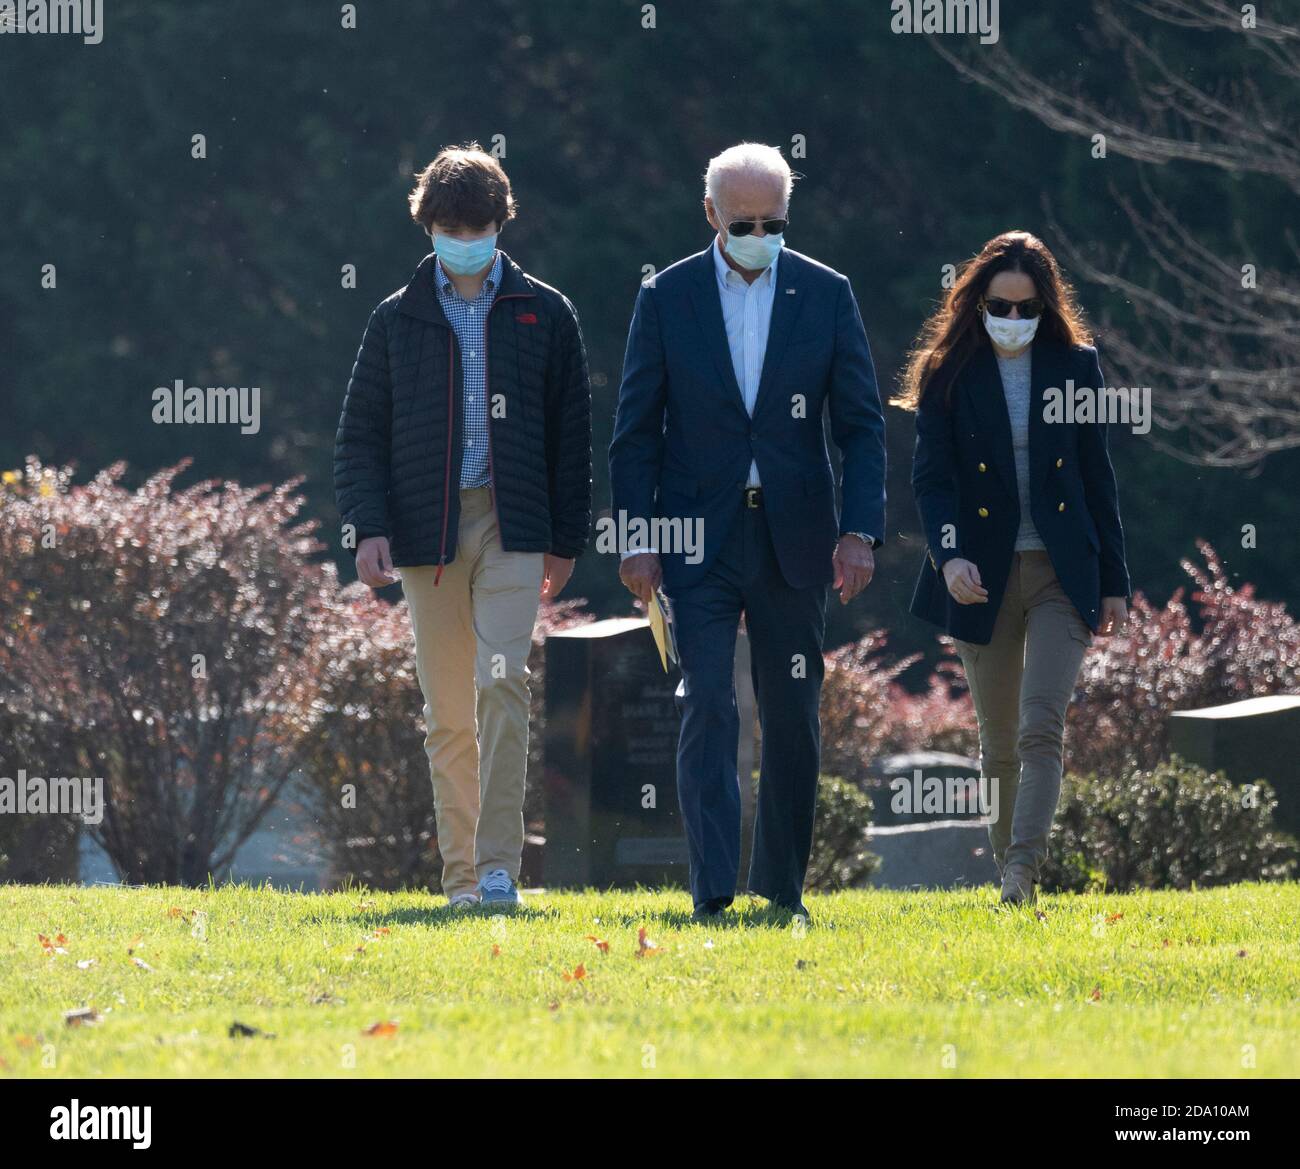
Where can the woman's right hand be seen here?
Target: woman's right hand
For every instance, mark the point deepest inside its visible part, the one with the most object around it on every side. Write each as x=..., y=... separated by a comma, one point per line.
x=963, y=581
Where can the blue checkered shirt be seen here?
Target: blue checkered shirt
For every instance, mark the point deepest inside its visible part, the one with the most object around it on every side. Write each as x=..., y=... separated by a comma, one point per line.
x=469, y=321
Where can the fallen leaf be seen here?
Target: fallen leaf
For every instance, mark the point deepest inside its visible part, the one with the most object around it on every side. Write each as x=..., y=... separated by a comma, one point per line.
x=382, y=930
x=644, y=946
x=603, y=947
x=579, y=973
x=1113, y=918
x=496, y=951
x=1242, y=954
x=383, y=1030
x=1096, y=994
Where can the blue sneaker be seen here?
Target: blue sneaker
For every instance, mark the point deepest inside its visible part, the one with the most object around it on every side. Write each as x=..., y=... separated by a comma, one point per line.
x=498, y=889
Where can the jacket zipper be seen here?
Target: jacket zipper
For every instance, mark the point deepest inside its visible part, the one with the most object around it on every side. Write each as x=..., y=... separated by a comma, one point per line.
x=487, y=401
x=451, y=424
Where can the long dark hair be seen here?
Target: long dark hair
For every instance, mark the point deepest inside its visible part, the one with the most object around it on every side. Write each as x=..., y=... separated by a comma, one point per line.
x=955, y=331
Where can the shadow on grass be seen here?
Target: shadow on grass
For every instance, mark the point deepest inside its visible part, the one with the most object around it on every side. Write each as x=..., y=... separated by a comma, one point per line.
x=744, y=914
x=443, y=915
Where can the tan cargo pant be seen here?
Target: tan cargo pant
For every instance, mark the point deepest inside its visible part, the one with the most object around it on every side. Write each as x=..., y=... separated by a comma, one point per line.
x=1021, y=684
x=473, y=631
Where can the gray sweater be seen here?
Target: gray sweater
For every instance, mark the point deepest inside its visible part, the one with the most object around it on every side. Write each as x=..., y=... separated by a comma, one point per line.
x=1015, y=386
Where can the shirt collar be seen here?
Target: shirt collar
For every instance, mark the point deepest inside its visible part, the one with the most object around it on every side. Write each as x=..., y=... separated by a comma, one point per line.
x=728, y=277
x=444, y=285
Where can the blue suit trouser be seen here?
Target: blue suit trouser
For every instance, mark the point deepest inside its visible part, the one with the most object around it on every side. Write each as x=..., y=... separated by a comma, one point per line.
x=786, y=627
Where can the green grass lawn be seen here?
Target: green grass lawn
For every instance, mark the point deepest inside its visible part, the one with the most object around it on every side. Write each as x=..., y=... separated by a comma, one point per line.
x=880, y=984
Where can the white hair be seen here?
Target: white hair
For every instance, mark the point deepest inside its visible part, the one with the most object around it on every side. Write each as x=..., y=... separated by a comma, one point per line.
x=749, y=158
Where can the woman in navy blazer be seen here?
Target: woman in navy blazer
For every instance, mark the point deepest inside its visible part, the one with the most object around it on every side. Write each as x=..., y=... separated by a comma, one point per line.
x=1017, y=497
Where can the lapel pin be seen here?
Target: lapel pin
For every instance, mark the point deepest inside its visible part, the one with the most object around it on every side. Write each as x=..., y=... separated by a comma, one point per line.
x=789, y=292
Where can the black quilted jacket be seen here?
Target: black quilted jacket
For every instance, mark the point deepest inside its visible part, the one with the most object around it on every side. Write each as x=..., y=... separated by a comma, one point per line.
x=397, y=455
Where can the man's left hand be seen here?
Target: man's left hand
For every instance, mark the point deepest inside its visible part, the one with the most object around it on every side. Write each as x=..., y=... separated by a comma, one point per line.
x=555, y=576
x=855, y=564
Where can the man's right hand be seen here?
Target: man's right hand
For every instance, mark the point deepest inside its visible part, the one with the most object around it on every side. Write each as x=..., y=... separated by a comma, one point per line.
x=374, y=564
x=963, y=580
x=642, y=574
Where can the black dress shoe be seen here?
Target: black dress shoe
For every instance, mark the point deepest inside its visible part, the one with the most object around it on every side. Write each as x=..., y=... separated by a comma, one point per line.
x=711, y=909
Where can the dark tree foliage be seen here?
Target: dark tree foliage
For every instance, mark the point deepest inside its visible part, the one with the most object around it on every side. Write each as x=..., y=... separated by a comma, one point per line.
x=228, y=270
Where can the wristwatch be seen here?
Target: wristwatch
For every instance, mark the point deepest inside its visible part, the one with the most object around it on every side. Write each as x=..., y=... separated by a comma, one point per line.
x=867, y=540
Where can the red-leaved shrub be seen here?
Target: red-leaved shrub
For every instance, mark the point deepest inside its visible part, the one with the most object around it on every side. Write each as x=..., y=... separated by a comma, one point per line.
x=1237, y=647
x=154, y=638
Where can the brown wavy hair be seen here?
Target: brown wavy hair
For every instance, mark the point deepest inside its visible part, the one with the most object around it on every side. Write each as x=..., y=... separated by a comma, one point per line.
x=463, y=186
x=955, y=331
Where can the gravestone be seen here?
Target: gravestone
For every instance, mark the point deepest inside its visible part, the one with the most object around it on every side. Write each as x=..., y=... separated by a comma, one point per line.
x=612, y=722
x=1257, y=738
x=937, y=854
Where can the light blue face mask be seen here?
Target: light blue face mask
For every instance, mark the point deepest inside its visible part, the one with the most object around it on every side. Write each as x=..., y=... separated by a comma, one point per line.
x=754, y=251
x=464, y=257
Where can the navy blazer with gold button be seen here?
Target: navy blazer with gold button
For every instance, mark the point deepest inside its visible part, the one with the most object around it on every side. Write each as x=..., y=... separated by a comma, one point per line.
x=964, y=478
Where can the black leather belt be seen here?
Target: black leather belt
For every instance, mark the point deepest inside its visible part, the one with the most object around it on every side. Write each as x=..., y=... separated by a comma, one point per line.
x=753, y=497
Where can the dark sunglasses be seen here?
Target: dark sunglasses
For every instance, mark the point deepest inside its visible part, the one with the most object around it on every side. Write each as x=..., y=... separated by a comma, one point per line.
x=746, y=226
x=1029, y=309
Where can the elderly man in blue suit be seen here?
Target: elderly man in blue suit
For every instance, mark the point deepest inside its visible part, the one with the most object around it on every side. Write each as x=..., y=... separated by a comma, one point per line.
x=733, y=358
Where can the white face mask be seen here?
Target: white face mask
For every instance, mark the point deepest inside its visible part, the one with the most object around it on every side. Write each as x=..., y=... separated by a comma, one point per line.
x=1010, y=334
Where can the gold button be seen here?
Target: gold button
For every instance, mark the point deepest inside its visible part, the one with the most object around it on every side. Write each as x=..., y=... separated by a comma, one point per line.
x=984, y=512
x=1060, y=506
x=1060, y=463
x=983, y=467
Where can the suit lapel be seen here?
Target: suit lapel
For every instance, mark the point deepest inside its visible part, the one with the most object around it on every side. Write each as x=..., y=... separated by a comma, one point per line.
x=708, y=312
x=787, y=302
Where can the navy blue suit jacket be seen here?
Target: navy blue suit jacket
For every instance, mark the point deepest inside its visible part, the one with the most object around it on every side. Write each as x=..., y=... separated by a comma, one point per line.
x=683, y=440
x=964, y=476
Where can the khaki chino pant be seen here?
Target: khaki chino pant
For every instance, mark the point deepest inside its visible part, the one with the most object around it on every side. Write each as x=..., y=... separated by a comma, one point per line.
x=1021, y=684
x=473, y=632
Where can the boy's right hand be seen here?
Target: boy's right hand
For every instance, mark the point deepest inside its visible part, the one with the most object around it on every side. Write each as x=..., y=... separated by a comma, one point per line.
x=374, y=564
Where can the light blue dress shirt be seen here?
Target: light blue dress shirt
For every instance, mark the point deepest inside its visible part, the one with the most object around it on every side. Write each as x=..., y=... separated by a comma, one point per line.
x=468, y=319
x=747, y=315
